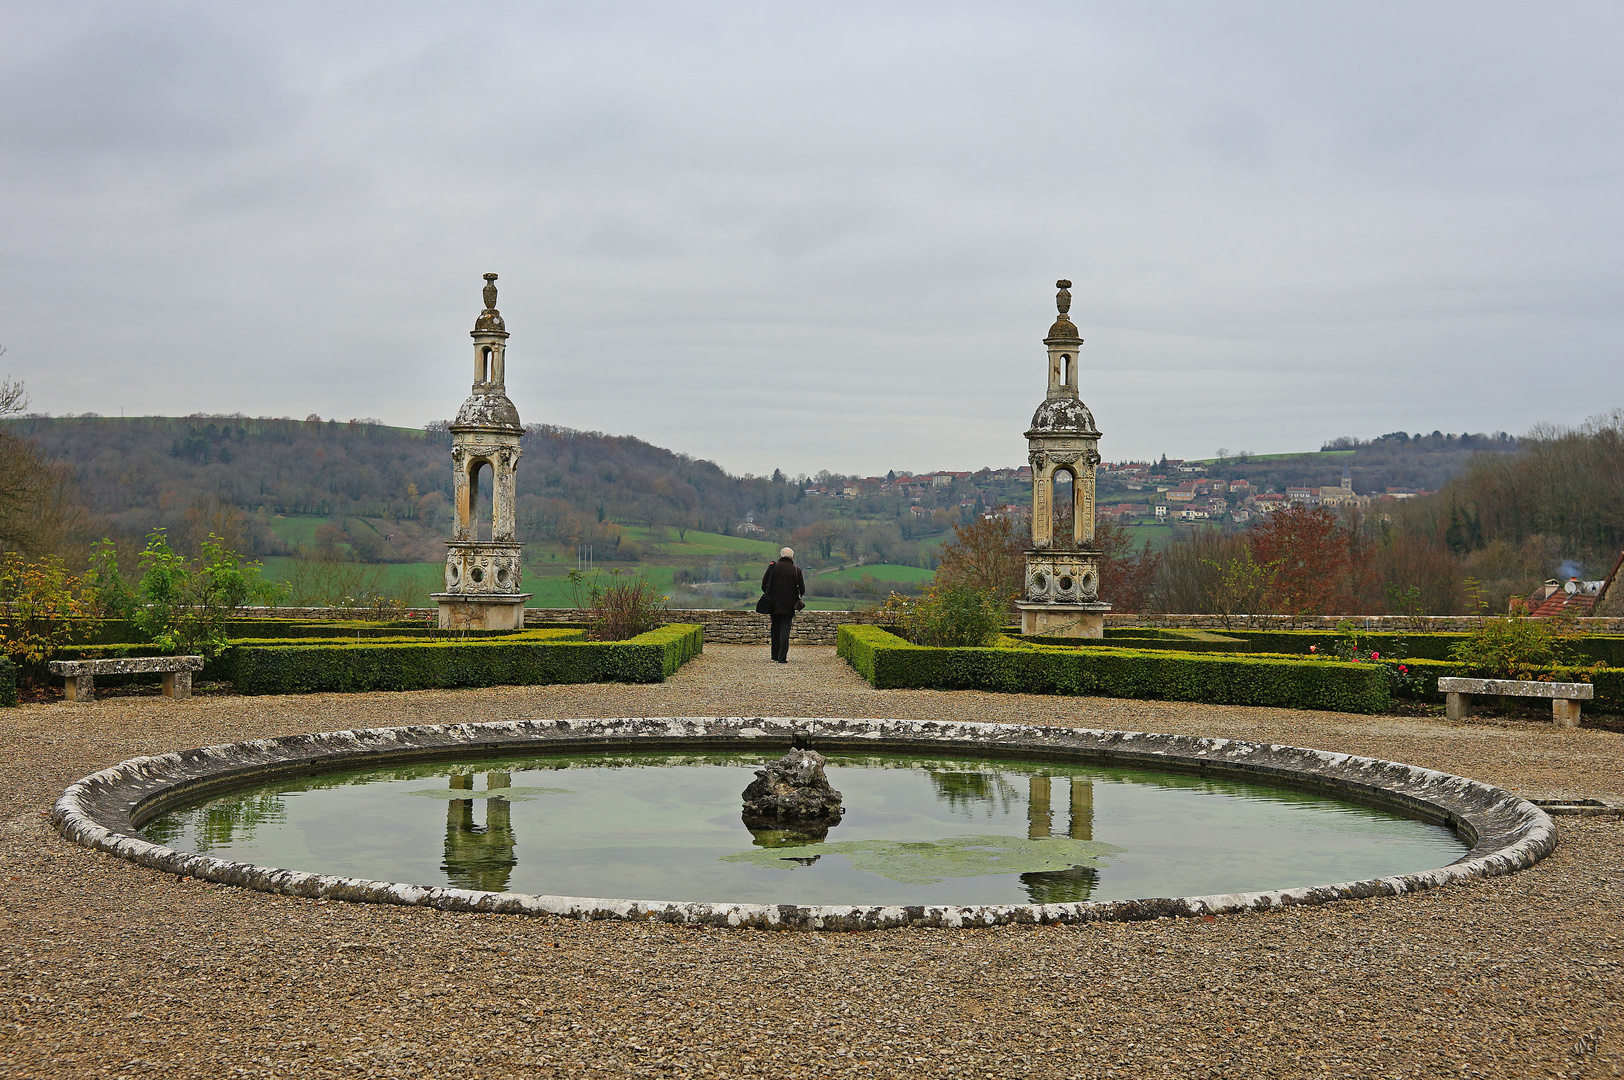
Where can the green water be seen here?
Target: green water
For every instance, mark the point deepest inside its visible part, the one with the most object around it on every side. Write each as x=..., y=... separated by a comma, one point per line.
x=916, y=831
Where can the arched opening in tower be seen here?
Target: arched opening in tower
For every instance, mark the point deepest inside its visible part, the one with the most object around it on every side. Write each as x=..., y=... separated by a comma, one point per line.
x=485, y=364
x=1064, y=503
x=482, y=482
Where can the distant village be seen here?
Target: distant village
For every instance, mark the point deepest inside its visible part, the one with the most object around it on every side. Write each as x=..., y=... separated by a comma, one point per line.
x=1173, y=490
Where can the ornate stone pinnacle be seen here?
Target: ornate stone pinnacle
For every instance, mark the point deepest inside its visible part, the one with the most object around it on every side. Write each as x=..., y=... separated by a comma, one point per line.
x=1062, y=299
x=490, y=292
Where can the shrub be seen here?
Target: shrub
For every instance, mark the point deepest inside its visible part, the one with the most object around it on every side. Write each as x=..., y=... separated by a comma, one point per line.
x=183, y=605
x=888, y=662
x=1513, y=647
x=108, y=592
x=534, y=657
x=41, y=610
x=619, y=610
x=8, y=683
x=948, y=616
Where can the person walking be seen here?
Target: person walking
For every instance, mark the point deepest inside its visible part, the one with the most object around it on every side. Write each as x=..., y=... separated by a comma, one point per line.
x=782, y=587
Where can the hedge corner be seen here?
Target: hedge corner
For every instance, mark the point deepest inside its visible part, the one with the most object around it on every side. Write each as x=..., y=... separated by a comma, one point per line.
x=887, y=662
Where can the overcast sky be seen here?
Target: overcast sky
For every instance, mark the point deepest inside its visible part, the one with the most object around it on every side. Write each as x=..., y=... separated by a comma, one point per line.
x=818, y=236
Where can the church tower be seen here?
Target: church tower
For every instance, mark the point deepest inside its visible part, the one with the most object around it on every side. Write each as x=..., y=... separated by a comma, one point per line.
x=1063, y=563
x=483, y=560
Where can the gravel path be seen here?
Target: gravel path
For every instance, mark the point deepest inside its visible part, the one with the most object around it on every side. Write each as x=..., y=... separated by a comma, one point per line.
x=108, y=969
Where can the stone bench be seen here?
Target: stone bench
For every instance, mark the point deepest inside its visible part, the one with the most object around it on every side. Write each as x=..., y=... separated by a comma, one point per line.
x=79, y=676
x=1565, y=696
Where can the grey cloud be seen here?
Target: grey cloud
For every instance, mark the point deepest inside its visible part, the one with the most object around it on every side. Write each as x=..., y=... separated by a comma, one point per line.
x=1285, y=222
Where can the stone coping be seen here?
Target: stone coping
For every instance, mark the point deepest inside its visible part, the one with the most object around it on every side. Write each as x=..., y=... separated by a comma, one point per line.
x=125, y=665
x=1571, y=691
x=106, y=810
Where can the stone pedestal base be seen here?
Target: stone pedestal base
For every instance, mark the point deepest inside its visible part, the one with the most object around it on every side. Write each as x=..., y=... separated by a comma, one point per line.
x=178, y=684
x=1064, y=620
x=79, y=688
x=473, y=611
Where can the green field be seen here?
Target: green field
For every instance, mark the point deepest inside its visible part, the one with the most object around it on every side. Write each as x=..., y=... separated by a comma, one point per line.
x=295, y=531
x=1273, y=457
x=695, y=546
x=1157, y=535
x=546, y=574
x=428, y=577
x=878, y=571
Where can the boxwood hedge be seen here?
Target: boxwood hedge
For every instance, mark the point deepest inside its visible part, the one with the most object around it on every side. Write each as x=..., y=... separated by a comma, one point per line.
x=8, y=682
x=889, y=662
x=524, y=659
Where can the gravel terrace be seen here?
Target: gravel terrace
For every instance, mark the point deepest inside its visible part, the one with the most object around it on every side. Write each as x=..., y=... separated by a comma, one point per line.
x=110, y=969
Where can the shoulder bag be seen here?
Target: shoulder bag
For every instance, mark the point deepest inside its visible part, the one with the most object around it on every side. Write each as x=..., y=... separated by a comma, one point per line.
x=764, y=606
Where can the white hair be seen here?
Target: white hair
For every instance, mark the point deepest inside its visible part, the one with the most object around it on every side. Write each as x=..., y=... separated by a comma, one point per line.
x=787, y=553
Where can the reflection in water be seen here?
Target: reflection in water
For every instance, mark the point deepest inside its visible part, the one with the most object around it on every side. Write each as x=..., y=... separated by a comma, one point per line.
x=1082, y=809
x=1039, y=818
x=220, y=823
x=1060, y=886
x=966, y=790
x=808, y=833
x=479, y=856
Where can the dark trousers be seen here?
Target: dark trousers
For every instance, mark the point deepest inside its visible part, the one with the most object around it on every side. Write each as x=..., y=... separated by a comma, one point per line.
x=781, y=624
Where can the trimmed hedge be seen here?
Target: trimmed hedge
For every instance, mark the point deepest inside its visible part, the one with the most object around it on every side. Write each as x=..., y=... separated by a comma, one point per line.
x=1173, y=640
x=888, y=662
x=527, y=659
x=8, y=683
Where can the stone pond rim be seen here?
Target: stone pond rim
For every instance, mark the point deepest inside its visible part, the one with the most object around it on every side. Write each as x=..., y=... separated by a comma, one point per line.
x=1504, y=832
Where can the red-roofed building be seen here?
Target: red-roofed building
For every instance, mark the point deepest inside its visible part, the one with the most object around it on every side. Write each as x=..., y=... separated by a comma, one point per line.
x=1571, y=597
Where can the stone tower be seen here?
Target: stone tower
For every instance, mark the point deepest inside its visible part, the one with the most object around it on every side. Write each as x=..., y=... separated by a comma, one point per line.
x=1063, y=563
x=482, y=574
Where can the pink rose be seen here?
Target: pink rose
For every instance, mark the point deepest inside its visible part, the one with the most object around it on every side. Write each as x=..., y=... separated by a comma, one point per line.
x=1313, y=648
x=1375, y=656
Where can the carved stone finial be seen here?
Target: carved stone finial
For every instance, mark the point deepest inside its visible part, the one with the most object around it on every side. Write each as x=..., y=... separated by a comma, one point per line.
x=490, y=320
x=1062, y=299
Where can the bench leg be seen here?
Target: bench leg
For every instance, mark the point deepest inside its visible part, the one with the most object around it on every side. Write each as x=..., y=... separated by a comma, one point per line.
x=1456, y=706
x=79, y=688
x=178, y=684
x=1564, y=713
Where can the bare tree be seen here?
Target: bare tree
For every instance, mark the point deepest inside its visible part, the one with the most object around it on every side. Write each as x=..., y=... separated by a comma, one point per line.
x=13, y=398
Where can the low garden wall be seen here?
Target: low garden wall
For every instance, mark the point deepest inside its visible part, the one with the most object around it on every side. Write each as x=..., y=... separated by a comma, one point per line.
x=1414, y=624
x=821, y=627
x=721, y=627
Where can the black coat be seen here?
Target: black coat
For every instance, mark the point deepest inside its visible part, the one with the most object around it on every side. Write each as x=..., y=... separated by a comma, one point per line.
x=783, y=585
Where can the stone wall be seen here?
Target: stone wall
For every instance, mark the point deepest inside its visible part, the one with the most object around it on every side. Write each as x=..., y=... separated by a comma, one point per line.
x=1421, y=624
x=721, y=627
x=819, y=627
x=733, y=627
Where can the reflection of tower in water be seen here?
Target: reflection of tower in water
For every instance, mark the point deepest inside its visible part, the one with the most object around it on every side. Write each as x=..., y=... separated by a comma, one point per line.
x=479, y=856
x=1060, y=886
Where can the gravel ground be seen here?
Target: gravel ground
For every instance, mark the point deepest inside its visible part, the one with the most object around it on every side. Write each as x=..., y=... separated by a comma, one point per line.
x=108, y=969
